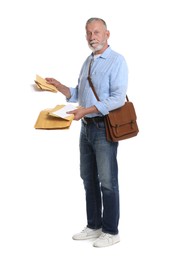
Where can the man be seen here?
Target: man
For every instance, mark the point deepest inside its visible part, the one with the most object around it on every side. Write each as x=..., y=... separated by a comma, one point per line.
x=98, y=157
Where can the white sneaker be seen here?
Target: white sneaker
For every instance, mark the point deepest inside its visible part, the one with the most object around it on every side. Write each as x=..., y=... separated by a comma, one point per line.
x=87, y=233
x=106, y=239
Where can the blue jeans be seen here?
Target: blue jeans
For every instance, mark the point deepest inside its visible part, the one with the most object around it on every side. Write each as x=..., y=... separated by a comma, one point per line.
x=99, y=171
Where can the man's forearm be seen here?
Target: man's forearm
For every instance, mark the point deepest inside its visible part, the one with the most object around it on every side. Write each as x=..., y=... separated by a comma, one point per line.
x=61, y=88
x=91, y=110
x=64, y=90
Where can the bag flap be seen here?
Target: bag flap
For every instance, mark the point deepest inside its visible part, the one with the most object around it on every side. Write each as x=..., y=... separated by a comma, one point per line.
x=122, y=115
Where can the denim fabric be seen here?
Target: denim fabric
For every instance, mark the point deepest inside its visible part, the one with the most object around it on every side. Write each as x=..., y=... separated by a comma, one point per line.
x=99, y=171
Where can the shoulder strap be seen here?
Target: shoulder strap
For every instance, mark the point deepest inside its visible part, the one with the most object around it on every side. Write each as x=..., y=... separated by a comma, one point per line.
x=90, y=81
x=92, y=86
x=93, y=89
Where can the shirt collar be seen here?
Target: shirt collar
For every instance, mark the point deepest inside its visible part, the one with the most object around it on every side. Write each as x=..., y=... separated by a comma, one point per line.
x=105, y=54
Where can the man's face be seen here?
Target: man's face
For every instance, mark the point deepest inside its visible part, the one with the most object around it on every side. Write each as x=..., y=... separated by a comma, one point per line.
x=97, y=36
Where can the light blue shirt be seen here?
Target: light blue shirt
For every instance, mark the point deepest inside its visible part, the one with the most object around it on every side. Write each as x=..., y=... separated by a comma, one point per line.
x=109, y=74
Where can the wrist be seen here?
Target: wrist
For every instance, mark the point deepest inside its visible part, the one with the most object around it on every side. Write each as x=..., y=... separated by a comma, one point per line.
x=90, y=110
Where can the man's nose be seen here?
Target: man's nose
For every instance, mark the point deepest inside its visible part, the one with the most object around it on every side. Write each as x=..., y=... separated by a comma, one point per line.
x=92, y=36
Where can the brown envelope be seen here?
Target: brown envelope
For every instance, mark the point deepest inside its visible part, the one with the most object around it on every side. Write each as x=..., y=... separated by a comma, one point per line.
x=46, y=121
x=43, y=85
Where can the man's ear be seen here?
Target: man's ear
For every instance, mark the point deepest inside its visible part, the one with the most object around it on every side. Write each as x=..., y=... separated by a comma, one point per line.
x=107, y=34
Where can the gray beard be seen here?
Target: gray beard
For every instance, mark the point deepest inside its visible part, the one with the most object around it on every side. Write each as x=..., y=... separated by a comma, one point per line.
x=98, y=48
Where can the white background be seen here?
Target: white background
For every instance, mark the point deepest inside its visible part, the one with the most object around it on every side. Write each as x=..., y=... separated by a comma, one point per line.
x=42, y=200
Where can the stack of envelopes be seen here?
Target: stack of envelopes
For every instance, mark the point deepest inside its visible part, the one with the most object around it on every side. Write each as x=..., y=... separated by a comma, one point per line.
x=55, y=118
x=43, y=85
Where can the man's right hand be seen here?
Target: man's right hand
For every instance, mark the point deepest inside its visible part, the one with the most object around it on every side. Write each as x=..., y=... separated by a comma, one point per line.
x=53, y=82
x=61, y=88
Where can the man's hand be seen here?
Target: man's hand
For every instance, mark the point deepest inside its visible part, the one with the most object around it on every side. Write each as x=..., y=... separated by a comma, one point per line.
x=53, y=82
x=82, y=111
x=62, y=88
x=78, y=113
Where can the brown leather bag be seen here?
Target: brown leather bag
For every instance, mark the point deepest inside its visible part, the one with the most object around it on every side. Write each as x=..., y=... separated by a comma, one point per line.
x=120, y=123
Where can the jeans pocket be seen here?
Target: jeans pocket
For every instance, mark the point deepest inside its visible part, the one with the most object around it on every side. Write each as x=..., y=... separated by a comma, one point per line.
x=100, y=125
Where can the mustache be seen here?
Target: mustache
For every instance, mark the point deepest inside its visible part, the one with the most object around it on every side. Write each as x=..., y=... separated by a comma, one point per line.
x=93, y=42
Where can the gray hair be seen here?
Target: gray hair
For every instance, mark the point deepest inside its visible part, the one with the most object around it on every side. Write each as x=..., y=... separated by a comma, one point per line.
x=96, y=19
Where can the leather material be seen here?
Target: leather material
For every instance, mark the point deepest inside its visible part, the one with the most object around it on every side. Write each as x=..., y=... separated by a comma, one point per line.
x=121, y=123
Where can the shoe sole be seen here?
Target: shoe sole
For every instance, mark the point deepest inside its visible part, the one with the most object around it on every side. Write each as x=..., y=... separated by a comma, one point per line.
x=85, y=238
x=106, y=245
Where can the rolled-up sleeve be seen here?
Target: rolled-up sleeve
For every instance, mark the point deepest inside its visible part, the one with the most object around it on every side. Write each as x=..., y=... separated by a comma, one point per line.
x=74, y=95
